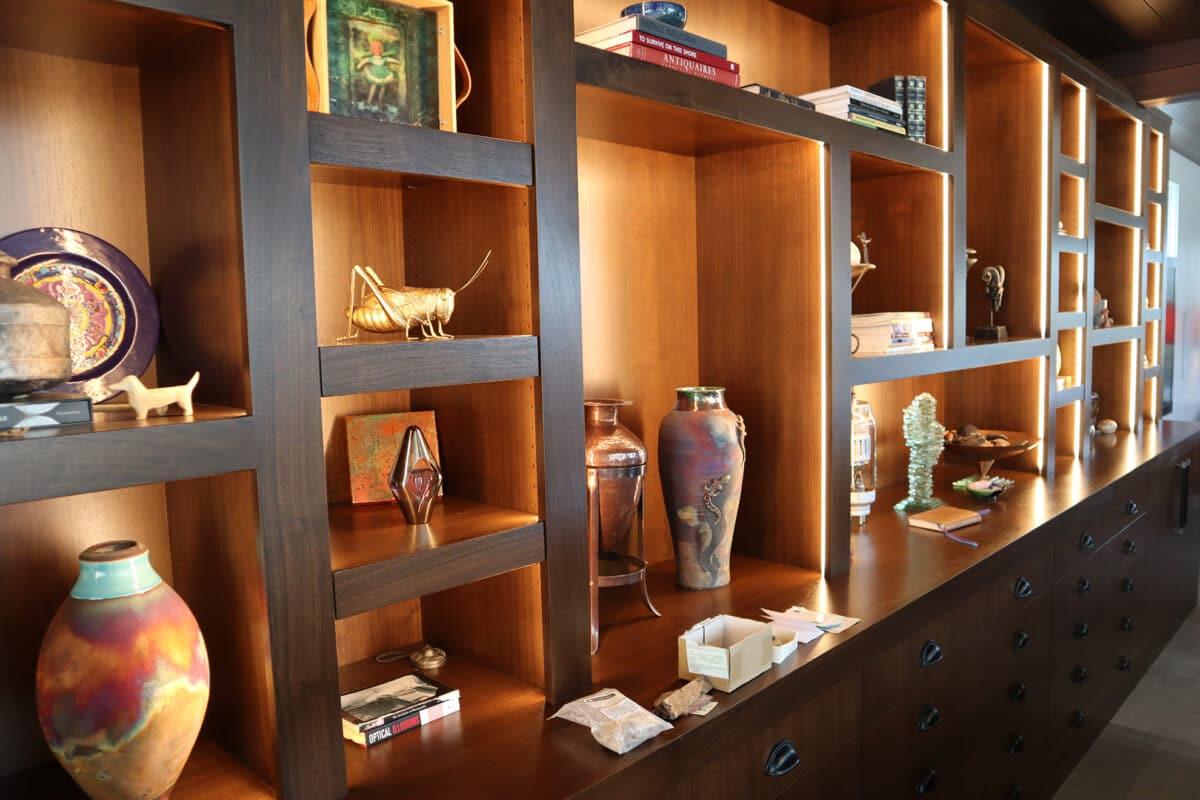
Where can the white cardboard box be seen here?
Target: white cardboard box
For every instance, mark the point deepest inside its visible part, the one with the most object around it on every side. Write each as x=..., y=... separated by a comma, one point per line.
x=727, y=650
x=787, y=644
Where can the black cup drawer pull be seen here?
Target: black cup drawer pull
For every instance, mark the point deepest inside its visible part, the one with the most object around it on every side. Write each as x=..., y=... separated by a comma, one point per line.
x=928, y=782
x=1130, y=547
x=1127, y=585
x=1016, y=744
x=928, y=718
x=1079, y=674
x=1081, y=630
x=782, y=759
x=1131, y=508
x=1084, y=585
x=1021, y=640
x=1124, y=664
x=1126, y=624
x=1018, y=692
x=1078, y=719
x=1023, y=588
x=1086, y=542
x=931, y=653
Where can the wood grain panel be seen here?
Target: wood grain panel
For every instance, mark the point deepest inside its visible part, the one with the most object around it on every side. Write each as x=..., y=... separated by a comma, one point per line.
x=214, y=549
x=493, y=38
x=638, y=253
x=902, y=213
x=759, y=279
x=38, y=566
x=1118, y=263
x=906, y=40
x=1071, y=280
x=1116, y=164
x=1113, y=379
x=195, y=235
x=1067, y=428
x=1073, y=118
x=1006, y=193
x=775, y=46
x=389, y=366
x=366, y=635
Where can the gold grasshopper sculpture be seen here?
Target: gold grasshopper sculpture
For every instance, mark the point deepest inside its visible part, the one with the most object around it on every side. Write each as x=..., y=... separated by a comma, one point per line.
x=394, y=310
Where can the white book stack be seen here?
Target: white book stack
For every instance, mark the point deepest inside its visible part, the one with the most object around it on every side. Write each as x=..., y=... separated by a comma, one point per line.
x=891, y=333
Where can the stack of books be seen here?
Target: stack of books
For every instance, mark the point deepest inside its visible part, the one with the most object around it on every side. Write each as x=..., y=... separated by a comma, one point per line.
x=891, y=333
x=909, y=92
x=860, y=107
x=377, y=714
x=649, y=40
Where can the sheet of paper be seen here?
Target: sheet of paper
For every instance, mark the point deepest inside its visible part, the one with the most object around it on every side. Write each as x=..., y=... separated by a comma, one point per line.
x=830, y=623
x=705, y=660
x=805, y=630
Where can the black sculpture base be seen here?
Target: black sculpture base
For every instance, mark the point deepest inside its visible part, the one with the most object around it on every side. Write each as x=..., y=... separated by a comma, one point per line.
x=992, y=333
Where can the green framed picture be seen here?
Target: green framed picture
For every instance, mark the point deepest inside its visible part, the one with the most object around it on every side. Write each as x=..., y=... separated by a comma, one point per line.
x=388, y=60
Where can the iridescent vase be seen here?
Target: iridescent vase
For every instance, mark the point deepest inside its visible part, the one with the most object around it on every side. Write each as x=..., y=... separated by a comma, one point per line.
x=122, y=678
x=702, y=459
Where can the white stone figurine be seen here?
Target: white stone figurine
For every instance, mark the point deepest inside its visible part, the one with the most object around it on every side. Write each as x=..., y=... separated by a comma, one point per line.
x=143, y=400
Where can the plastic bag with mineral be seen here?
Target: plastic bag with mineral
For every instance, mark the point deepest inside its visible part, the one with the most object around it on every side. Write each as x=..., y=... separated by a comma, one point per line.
x=615, y=721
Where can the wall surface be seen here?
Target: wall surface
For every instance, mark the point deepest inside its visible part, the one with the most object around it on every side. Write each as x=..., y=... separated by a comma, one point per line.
x=1183, y=253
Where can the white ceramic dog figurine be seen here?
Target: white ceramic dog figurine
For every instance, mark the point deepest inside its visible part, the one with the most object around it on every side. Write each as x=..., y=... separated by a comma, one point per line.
x=144, y=400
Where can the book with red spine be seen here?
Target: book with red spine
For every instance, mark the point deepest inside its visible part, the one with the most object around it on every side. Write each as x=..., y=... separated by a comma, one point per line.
x=405, y=722
x=671, y=61
x=667, y=46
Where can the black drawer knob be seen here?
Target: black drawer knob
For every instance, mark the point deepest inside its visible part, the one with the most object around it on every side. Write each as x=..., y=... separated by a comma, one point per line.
x=1078, y=719
x=928, y=718
x=1130, y=547
x=1124, y=664
x=928, y=782
x=1127, y=624
x=1085, y=586
x=1014, y=792
x=1131, y=508
x=1016, y=744
x=931, y=653
x=1018, y=691
x=1079, y=674
x=1127, y=585
x=1023, y=588
x=1086, y=542
x=782, y=759
x=1081, y=630
x=1021, y=640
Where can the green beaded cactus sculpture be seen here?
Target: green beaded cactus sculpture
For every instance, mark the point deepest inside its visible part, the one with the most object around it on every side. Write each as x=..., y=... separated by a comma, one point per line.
x=925, y=437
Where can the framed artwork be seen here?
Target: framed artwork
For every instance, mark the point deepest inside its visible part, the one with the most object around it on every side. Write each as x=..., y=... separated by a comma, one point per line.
x=372, y=442
x=388, y=60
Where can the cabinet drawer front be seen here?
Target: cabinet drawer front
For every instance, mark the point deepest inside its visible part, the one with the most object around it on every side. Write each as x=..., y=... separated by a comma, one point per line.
x=1018, y=587
x=835, y=780
x=919, y=660
x=1015, y=654
x=1082, y=531
x=734, y=761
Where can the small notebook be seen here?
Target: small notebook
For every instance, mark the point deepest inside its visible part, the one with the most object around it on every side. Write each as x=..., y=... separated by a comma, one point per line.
x=944, y=519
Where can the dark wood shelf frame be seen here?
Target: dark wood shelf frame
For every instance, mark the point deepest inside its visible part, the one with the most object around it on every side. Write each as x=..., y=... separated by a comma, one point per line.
x=389, y=366
x=413, y=150
x=1071, y=244
x=1072, y=394
x=1072, y=319
x=915, y=365
x=1100, y=337
x=378, y=559
x=1118, y=216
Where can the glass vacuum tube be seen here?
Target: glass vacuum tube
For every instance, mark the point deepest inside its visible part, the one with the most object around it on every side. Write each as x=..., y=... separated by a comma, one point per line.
x=863, y=471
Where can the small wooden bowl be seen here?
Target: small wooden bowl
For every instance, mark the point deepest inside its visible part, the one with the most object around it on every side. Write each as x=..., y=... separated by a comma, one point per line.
x=986, y=456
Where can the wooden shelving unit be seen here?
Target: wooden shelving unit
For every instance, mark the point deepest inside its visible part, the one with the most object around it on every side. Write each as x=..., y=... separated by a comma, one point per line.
x=648, y=230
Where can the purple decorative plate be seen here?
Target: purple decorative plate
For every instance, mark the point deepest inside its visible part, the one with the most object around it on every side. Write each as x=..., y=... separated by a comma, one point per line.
x=114, y=316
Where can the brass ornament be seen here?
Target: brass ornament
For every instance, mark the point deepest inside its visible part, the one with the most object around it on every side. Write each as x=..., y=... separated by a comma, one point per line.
x=381, y=309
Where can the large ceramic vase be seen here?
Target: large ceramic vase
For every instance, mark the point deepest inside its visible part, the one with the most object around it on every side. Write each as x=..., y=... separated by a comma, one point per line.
x=701, y=460
x=122, y=678
x=612, y=447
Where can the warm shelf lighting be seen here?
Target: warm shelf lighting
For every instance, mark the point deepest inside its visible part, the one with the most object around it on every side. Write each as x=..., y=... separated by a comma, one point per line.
x=945, y=75
x=1135, y=294
x=1041, y=404
x=947, y=267
x=1077, y=438
x=821, y=156
x=1042, y=321
x=1083, y=126
x=1152, y=405
x=1134, y=374
x=1137, y=169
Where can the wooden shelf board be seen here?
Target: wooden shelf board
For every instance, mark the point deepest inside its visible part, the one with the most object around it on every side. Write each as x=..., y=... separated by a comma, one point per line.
x=1152, y=372
x=210, y=774
x=1114, y=335
x=1071, y=244
x=1151, y=314
x=1069, y=395
x=413, y=150
x=116, y=451
x=877, y=369
x=1118, y=216
x=387, y=366
x=1156, y=197
x=631, y=102
x=1154, y=256
x=1066, y=164
x=378, y=559
x=1071, y=319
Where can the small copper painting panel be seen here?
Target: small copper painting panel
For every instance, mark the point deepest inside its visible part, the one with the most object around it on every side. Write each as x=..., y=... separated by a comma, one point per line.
x=372, y=441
